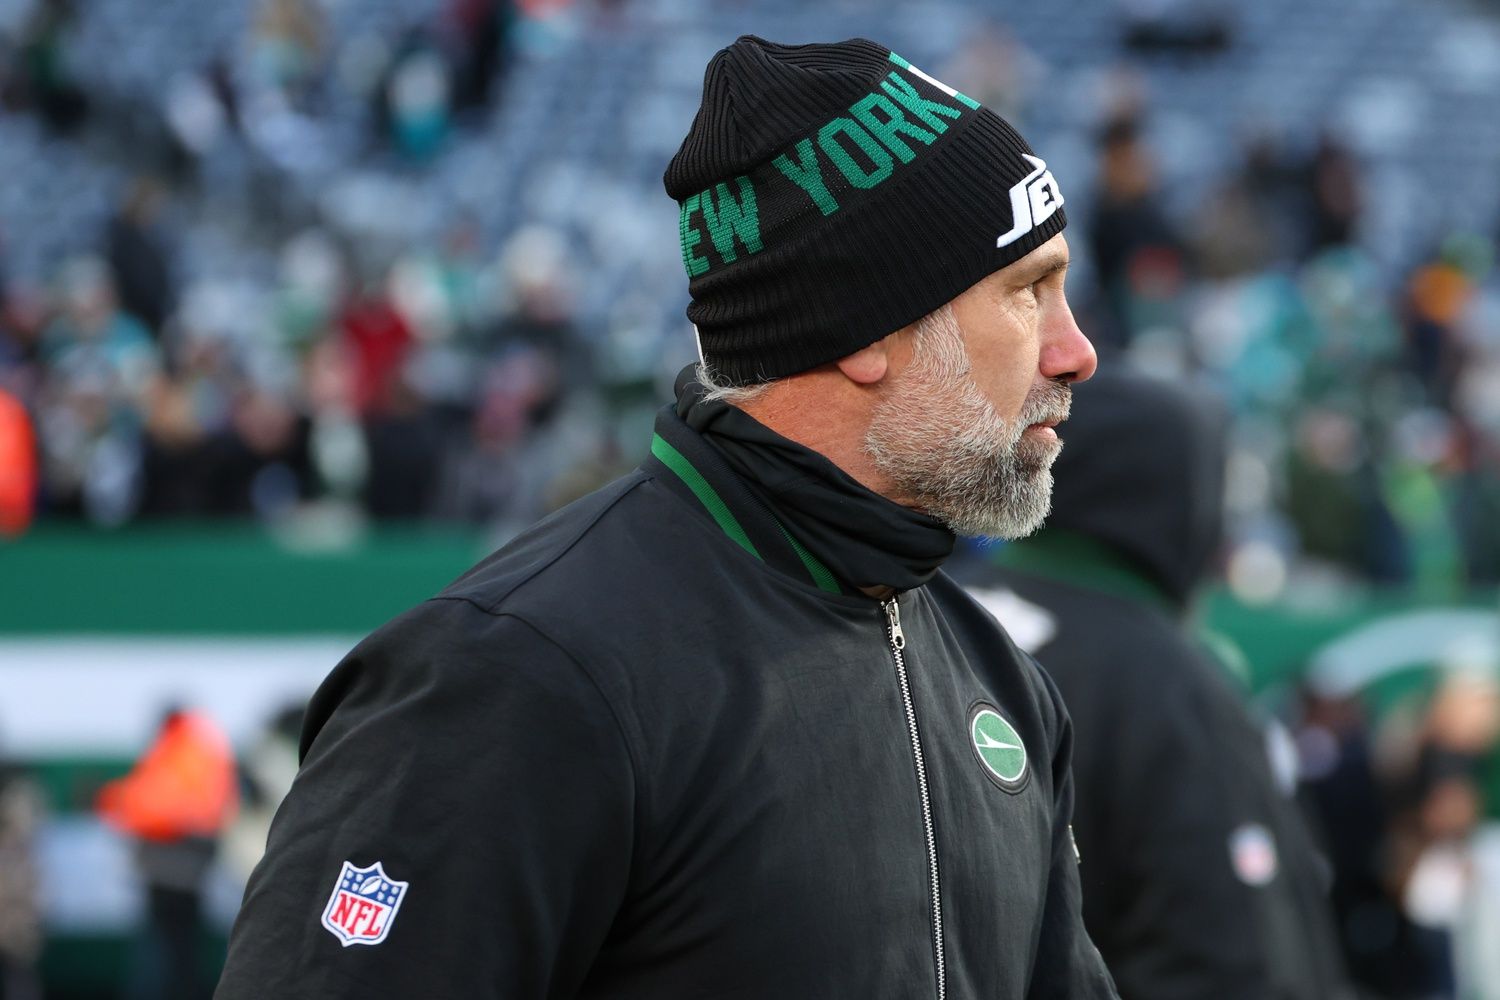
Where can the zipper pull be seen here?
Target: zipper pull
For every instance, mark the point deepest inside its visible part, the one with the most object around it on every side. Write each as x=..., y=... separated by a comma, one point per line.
x=893, y=616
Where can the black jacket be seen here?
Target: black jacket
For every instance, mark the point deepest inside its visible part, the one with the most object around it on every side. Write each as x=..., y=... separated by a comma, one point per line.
x=1200, y=880
x=659, y=746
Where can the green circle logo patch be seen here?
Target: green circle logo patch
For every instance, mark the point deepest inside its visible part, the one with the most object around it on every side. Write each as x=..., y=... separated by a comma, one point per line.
x=999, y=748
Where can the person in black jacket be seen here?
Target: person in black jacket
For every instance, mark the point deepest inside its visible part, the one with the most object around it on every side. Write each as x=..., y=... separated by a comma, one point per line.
x=723, y=728
x=1199, y=877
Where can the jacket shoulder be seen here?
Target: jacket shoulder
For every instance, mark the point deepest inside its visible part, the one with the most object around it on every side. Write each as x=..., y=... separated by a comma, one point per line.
x=594, y=531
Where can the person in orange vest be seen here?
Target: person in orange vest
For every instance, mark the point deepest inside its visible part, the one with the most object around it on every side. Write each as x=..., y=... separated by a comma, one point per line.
x=17, y=466
x=175, y=802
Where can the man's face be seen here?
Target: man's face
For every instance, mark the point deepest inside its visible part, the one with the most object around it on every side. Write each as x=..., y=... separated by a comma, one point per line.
x=964, y=430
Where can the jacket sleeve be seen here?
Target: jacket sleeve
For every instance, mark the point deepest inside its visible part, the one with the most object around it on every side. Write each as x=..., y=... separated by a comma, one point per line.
x=476, y=761
x=1182, y=923
x=1068, y=966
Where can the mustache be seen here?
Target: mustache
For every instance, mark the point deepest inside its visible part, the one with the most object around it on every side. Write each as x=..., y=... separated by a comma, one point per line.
x=1051, y=401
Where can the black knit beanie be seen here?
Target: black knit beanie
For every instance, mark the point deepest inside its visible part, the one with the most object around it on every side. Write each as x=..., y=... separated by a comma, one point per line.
x=832, y=194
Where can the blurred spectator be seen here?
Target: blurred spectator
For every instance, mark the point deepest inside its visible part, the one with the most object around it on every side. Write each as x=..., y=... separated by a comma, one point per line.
x=339, y=452
x=266, y=773
x=1383, y=949
x=1476, y=505
x=1272, y=177
x=1177, y=27
x=255, y=462
x=21, y=322
x=1254, y=220
x=138, y=258
x=414, y=98
x=1437, y=299
x=18, y=479
x=1336, y=195
x=1417, y=482
x=286, y=47
x=20, y=911
x=1135, y=248
x=221, y=437
x=48, y=80
x=220, y=79
x=100, y=364
x=1233, y=236
x=175, y=803
x=495, y=474
x=541, y=302
x=378, y=339
x=312, y=280
x=1439, y=803
x=405, y=444
x=481, y=49
x=1335, y=497
x=437, y=291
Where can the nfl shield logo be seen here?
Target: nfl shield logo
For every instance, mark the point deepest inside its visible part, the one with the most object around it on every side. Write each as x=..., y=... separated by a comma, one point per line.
x=1252, y=849
x=363, y=905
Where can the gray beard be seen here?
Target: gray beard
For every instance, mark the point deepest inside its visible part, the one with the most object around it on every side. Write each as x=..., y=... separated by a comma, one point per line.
x=945, y=450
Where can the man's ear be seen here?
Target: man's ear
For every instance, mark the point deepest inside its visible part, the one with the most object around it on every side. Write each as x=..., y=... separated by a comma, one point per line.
x=867, y=365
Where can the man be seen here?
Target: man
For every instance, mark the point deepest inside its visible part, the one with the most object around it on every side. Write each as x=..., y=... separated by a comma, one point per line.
x=1199, y=877
x=722, y=728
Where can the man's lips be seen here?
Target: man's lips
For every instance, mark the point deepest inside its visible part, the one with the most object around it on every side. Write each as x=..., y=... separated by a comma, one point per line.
x=1048, y=421
x=1045, y=428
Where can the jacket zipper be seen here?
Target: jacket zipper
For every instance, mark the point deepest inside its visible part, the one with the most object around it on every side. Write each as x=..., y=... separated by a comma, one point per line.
x=898, y=643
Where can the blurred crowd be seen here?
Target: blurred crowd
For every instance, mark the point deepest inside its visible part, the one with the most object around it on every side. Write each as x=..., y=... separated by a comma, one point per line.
x=460, y=377
x=278, y=87
x=410, y=393
x=1399, y=799
x=1366, y=423
x=416, y=382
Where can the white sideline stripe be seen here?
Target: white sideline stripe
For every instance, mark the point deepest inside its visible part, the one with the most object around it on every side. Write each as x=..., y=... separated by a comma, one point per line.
x=104, y=695
x=1452, y=638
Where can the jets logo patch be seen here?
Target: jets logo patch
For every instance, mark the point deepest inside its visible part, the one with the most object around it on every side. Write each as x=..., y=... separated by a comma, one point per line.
x=1033, y=200
x=363, y=905
x=998, y=748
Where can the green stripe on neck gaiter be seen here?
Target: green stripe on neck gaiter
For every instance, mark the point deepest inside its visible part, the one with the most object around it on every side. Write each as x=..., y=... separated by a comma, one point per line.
x=821, y=575
x=675, y=460
x=704, y=491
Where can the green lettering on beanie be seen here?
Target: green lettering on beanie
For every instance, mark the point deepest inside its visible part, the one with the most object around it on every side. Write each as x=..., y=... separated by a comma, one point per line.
x=894, y=122
x=906, y=95
x=732, y=219
x=964, y=99
x=858, y=176
x=807, y=175
x=691, y=237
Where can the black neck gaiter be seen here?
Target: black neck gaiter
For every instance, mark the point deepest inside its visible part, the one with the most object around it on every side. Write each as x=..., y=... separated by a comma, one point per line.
x=865, y=539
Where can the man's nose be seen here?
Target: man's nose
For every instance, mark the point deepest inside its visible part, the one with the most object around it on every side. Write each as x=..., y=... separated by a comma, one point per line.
x=1066, y=352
